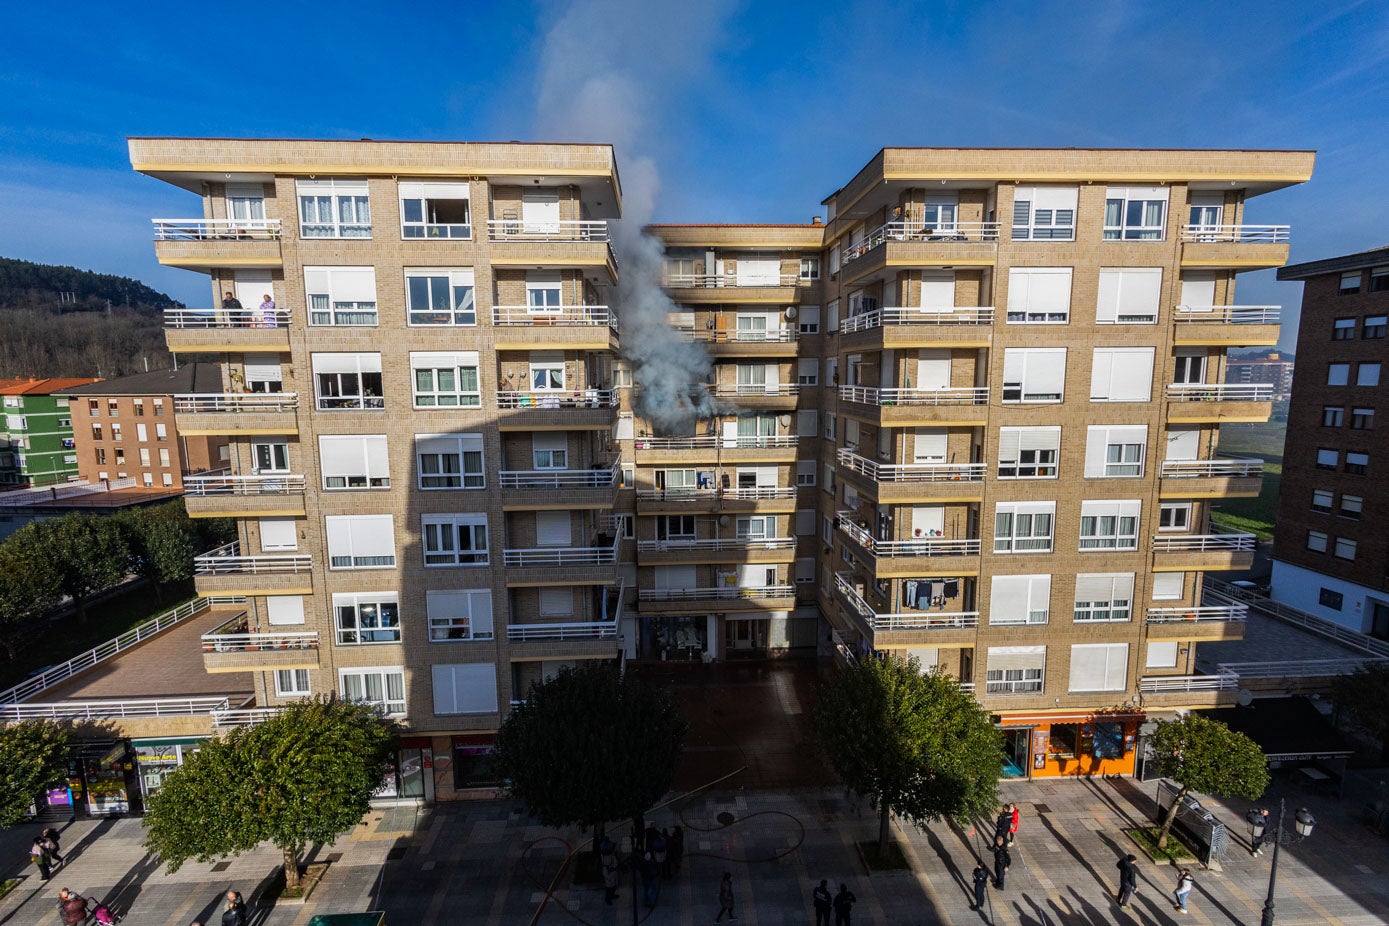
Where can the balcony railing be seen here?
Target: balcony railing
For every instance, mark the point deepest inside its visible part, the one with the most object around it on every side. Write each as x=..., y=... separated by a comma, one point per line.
x=1228, y=314
x=869, y=395
x=201, y=403
x=562, y=315
x=243, y=485
x=1220, y=392
x=582, y=398
x=1196, y=469
x=741, y=442
x=225, y=318
x=714, y=280
x=1159, y=684
x=958, y=315
x=758, y=493
x=548, y=230
x=107, y=710
x=911, y=472
x=1236, y=234
x=572, y=631
x=721, y=593
x=226, y=560
x=717, y=544
x=784, y=334
x=924, y=546
x=1015, y=686
x=562, y=556
x=920, y=231
x=216, y=229
x=755, y=390
x=597, y=478
x=910, y=620
x=1206, y=614
x=1233, y=542
x=238, y=635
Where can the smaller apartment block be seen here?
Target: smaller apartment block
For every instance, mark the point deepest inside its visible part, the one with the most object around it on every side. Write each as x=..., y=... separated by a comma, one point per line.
x=36, y=440
x=1331, y=552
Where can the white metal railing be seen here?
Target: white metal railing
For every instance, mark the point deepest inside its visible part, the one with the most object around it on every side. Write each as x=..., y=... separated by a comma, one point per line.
x=596, y=478
x=714, y=280
x=216, y=229
x=242, y=717
x=1230, y=466
x=565, y=632
x=562, y=556
x=239, y=635
x=1297, y=668
x=1233, y=542
x=1204, y=614
x=1015, y=686
x=713, y=495
x=201, y=403
x=535, y=317
x=911, y=472
x=547, y=230
x=225, y=560
x=716, y=544
x=1158, y=684
x=100, y=653
x=870, y=395
x=743, y=442
x=1298, y=618
x=720, y=593
x=909, y=620
x=921, y=546
x=1228, y=314
x=783, y=334
x=920, y=231
x=1236, y=234
x=1220, y=392
x=758, y=493
x=578, y=398
x=19, y=498
x=106, y=710
x=243, y=485
x=755, y=390
x=957, y=315
x=250, y=317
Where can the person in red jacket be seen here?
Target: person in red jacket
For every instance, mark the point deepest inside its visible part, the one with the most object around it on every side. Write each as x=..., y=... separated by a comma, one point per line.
x=1012, y=823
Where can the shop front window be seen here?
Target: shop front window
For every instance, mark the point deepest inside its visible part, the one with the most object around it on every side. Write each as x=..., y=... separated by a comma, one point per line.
x=682, y=638
x=472, y=767
x=1109, y=741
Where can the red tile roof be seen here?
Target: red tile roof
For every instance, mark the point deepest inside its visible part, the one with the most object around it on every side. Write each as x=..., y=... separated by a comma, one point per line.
x=42, y=386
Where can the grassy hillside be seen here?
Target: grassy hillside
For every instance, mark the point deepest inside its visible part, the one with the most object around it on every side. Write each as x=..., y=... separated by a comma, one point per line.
x=1265, y=441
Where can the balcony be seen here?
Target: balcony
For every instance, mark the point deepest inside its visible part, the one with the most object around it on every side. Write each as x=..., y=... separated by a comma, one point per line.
x=206, y=244
x=1197, y=552
x=566, y=243
x=1217, y=403
x=1226, y=325
x=912, y=628
x=893, y=408
x=239, y=646
x=779, y=448
x=244, y=413
x=1220, y=478
x=572, y=327
x=1244, y=247
x=757, y=395
x=198, y=331
x=916, y=558
x=891, y=328
x=221, y=495
x=1193, y=623
x=540, y=489
x=746, y=342
x=590, y=565
x=913, y=244
x=761, y=499
x=905, y=483
x=578, y=639
x=225, y=571
x=722, y=598
x=726, y=288
x=717, y=550
x=581, y=409
x=1181, y=691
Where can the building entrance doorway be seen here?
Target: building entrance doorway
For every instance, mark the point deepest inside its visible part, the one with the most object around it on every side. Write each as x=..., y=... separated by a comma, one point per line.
x=744, y=637
x=1017, y=752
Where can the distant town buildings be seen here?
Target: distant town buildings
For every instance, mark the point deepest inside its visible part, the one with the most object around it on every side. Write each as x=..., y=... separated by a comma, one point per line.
x=36, y=441
x=1271, y=369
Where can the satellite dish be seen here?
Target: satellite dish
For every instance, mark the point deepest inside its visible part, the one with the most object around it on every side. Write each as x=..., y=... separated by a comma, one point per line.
x=1244, y=698
x=791, y=311
x=785, y=421
x=725, y=520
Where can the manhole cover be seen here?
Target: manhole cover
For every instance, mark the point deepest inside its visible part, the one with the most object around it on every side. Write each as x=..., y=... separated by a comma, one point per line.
x=396, y=854
x=1041, y=808
x=726, y=819
x=221, y=866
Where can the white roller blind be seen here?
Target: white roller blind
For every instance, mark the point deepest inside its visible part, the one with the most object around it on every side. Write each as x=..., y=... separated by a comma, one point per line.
x=437, y=359
x=284, y=610
x=1106, y=586
x=930, y=445
x=354, y=455
x=549, y=440
x=675, y=577
x=434, y=190
x=1039, y=289
x=1019, y=599
x=1050, y=197
x=278, y=534
x=759, y=271
x=807, y=423
x=1128, y=294
x=1183, y=443
x=344, y=284
x=1099, y=666
x=1168, y=586
x=1016, y=657
x=469, y=688
x=474, y=603
x=447, y=443
x=928, y=656
x=326, y=187
x=1097, y=441
x=626, y=428
x=937, y=289
x=359, y=535
x=928, y=520
x=1127, y=508
x=553, y=529
x=808, y=367
x=262, y=368
x=805, y=568
x=933, y=368
x=346, y=363
x=1198, y=288
x=557, y=602
x=1046, y=372
x=850, y=433
x=805, y=520
x=1162, y=655
x=1122, y=374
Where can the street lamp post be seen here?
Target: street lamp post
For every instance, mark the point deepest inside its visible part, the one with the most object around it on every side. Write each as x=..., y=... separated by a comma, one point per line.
x=1303, y=821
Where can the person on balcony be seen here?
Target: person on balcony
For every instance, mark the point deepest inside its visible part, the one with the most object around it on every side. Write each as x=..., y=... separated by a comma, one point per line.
x=235, y=311
x=268, y=318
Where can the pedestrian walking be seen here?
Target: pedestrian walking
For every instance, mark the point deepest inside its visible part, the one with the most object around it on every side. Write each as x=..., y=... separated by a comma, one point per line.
x=38, y=854
x=981, y=881
x=676, y=848
x=1128, y=879
x=72, y=907
x=1002, y=859
x=50, y=841
x=844, y=906
x=1258, y=819
x=726, y=898
x=1013, y=817
x=660, y=852
x=650, y=878
x=1185, y=882
x=235, y=912
x=607, y=857
x=823, y=901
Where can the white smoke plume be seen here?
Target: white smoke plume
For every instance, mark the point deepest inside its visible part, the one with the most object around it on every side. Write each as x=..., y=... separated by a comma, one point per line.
x=611, y=69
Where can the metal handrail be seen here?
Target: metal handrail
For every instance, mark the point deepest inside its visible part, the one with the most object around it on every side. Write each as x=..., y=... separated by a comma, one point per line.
x=216, y=229
x=719, y=592
x=568, y=631
x=543, y=399
x=1236, y=234
x=717, y=544
x=533, y=316
x=714, y=495
x=250, y=317
x=1298, y=668
x=547, y=230
x=243, y=485
x=755, y=390
x=940, y=232
x=240, y=717
x=717, y=280
x=1192, y=469
x=870, y=395
x=906, y=620
x=225, y=560
x=562, y=556
x=1220, y=392
x=105, y=710
x=560, y=478
x=730, y=443
x=957, y=315
x=1156, y=684
x=784, y=334
x=1232, y=542
x=924, y=546
x=1203, y=614
x=1289, y=615
x=1228, y=314
x=219, y=642
x=911, y=472
x=204, y=402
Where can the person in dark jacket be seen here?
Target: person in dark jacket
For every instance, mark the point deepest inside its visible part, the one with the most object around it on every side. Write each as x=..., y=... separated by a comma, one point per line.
x=235, y=913
x=50, y=842
x=844, y=906
x=38, y=854
x=660, y=853
x=824, y=901
x=72, y=907
x=1128, y=879
x=726, y=898
x=1002, y=859
x=981, y=881
x=676, y=848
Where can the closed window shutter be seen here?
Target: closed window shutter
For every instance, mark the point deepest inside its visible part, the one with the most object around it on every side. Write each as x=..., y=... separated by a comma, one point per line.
x=434, y=191
x=283, y=610
x=469, y=688
x=1107, y=586
x=1162, y=655
x=278, y=534
x=347, y=363
x=1009, y=444
x=1099, y=667
x=807, y=423
x=1133, y=375
x=805, y=568
x=1039, y=289
x=1198, y=289
x=557, y=602
x=1040, y=438
x=553, y=529
x=938, y=289
x=1096, y=445
x=930, y=445
x=805, y=521
x=1168, y=586
x=262, y=368
x=378, y=464
x=549, y=440
x=1101, y=375
x=353, y=284
x=1002, y=658
x=1008, y=598
x=1183, y=443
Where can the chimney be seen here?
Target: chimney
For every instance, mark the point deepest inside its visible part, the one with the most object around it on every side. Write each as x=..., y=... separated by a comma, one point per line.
x=816, y=220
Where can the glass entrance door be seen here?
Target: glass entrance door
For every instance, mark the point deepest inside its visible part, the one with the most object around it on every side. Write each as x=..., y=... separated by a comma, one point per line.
x=1016, y=748
x=745, y=637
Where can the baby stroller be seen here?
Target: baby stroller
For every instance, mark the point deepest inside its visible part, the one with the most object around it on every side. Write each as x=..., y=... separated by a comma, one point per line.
x=104, y=915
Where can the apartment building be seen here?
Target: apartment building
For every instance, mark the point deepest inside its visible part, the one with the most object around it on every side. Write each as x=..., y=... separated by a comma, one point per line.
x=1331, y=557
x=1272, y=368
x=36, y=442
x=126, y=429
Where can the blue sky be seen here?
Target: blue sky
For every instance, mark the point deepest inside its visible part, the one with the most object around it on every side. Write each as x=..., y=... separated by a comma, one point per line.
x=748, y=111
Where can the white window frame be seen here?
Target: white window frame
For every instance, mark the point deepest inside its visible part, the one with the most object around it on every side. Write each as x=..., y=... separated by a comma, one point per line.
x=342, y=208
x=1122, y=374
x=448, y=681
x=546, y=373
x=1115, y=608
x=363, y=365
x=1115, y=673
x=1345, y=549
x=374, y=526
x=459, y=297
x=325, y=297
x=292, y=683
x=550, y=450
x=385, y=676
x=1035, y=592
x=1174, y=517
x=373, y=470
x=1029, y=453
x=1120, y=223
x=1016, y=361
x=421, y=228
x=460, y=366
x=445, y=626
x=357, y=633
x=434, y=454
x=808, y=319
x=810, y=268
x=806, y=471
x=1025, y=679
x=454, y=540
x=807, y=371
x=1129, y=296
x=1116, y=451
x=1352, y=507
x=1160, y=590
x=1323, y=500
x=1024, y=304
x=1110, y=526
x=1039, y=519
x=1048, y=213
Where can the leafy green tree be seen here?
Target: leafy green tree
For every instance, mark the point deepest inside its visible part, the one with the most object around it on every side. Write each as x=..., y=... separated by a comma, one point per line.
x=28, y=587
x=89, y=553
x=1360, y=700
x=1207, y=757
x=33, y=757
x=914, y=744
x=591, y=745
x=161, y=540
x=302, y=777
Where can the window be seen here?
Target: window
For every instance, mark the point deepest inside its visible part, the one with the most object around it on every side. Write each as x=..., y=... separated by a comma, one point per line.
x=1329, y=599
x=1323, y=500
x=144, y=456
x=292, y=683
x=354, y=462
x=1316, y=541
x=1174, y=516
x=455, y=539
x=1104, y=598
x=831, y=420
x=161, y=432
x=1099, y=666
x=1357, y=463
x=1162, y=655
x=440, y=297
x=93, y=406
x=146, y=478
x=465, y=614
x=1015, y=669
x=158, y=408
x=1028, y=453
x=465, y=688
x=1114, y=451
x=167, y=479
x=382, y=688
x=1337, y=374
x=1351, y=506
x=263, y=373
x=139, y=406
x=1345, y=549
x=361, y=541
x=544, y=291
x=115, y=430
x=755, y=528
x=1350, y=282
x=1366, y=374
x=1169, y=586
x=675, y=527
x=1373, y=329
x=64, y=422
x=366, y=617
x=1109, y=525
x=96, y=430
x=435, y=210
x=1122, y=374
x=348, y=381
x=805, y=473
x=1019, y=599
x=1362, y=419
x=1344, y=330
x=550, y=450
x=1332, y=416
x=805, y=522
x=546, y=371
x=1128, y=295
x=555, y=602
x=1034, y=374
x=269, y=458
x=113, y=408
x=809, y=319
x=333, y=209
x=810, y=268
x=1328, y=459
x=1135, y=213
x=807, y=422
x=805, y=569
x=807, y=372
x=1044, y=213
x=340, y=296
x=445, y=380
x=1023, y=527
x=1039, y=295
x=101, y=456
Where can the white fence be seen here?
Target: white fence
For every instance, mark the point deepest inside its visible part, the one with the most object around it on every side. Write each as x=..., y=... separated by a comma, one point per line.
x=216, y=229
x=973, y=316
x=521, y=229
x=869, y=395
x=1236, y=234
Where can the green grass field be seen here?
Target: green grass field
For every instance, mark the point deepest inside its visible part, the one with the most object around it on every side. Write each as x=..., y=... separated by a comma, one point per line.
x=1265, y=441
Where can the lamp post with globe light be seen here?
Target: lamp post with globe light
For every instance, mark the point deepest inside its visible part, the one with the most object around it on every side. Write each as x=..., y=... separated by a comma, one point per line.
x=1303, y=821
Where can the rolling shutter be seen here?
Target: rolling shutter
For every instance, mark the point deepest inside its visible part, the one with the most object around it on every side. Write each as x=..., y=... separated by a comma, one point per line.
x=469, y=688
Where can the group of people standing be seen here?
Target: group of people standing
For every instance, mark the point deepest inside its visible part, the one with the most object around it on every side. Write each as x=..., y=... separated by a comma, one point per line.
x=657, y=854
x=841, y=904
x=267, y=317
x=1005, y=834
x=1128, y=883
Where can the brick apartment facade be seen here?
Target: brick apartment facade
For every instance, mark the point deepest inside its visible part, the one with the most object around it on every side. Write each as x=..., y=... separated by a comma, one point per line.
x=1331, y=553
